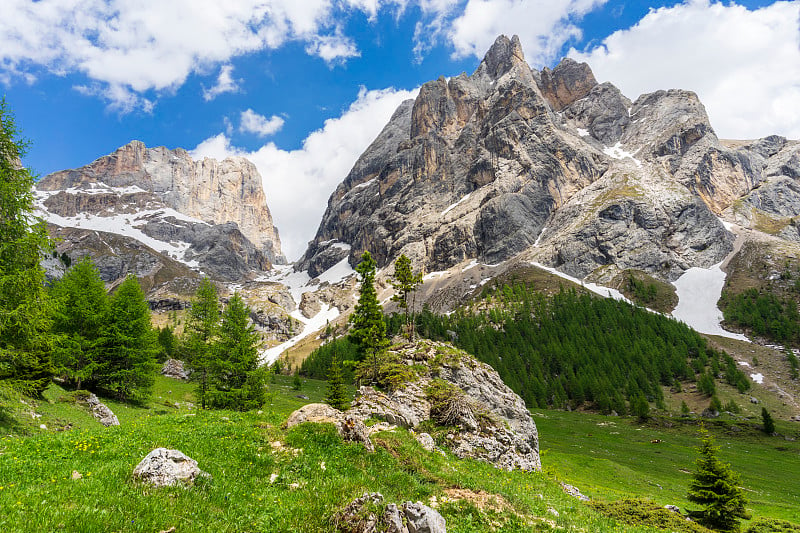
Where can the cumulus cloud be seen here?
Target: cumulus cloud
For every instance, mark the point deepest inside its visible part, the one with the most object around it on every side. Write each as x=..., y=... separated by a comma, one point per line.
x=252, y=122
x=225, y=84
x=743, y=64
x=543, y=26
x=135, y=46
x=333, y=49
x=298, y=182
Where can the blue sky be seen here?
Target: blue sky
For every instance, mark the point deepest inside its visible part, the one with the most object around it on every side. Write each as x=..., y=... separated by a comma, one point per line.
x=302, y=87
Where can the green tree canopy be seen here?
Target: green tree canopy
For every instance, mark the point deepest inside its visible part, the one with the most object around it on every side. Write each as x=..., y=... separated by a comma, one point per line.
x=336, y=395
x=127, y=358
x=368, y=327
x=405, y=282
x=237, y=380
x=25, y=341
x=202, y=328
x=715, y=487
x=80, y=309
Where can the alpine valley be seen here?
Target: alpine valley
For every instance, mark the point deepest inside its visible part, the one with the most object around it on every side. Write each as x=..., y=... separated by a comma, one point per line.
x=509, y=189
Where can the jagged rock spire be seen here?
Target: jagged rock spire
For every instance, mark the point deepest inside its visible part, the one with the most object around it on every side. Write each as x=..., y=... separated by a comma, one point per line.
x=504, y=54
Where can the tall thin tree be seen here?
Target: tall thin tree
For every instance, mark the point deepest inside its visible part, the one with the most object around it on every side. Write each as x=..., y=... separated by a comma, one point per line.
x=202, y=329
x=405, y=283
x=369, y=329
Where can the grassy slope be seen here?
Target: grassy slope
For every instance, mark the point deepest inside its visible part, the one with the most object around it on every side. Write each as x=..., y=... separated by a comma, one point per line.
x=37, y=492
x=612, y=458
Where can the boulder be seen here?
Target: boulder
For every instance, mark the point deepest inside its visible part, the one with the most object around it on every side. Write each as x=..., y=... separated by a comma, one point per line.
x=361, y=516
x=350, y=426
x=494, y=424
x=173, y=368
x=426, y=441
x=165, y=468
x=101, y=412
x=310, y=305
x=422, y=519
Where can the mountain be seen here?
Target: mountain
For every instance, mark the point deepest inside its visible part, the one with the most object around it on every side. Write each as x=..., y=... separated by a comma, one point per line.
x=556, y=168
x=159, y=214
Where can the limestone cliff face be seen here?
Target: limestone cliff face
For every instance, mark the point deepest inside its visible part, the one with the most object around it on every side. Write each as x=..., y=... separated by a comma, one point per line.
x=558, y=167
x=209, y=216
x=215, y=192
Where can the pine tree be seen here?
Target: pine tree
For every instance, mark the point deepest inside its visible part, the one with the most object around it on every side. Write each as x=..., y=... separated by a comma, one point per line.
x=369, y=328
x=166, y=339
x=238, y=382
x=715, y=486
x=768, y=423
x=202, y=328
x=337, y=391
x=25, y=340
x=126, y=362
x=405, y=282
x=81, y=306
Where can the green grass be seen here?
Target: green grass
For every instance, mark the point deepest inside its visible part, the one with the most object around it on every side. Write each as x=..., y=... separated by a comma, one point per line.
x=613, y=458
x=315, y=473
x=607, y=458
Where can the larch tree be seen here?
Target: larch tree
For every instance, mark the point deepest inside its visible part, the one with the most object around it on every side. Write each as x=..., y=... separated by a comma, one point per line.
x=80, y=308
x=25, y=339
x=368, y=331
x=238, y=382
x=200, y=335
x=716, y=487
x=336, y=395
x=405, y=283
x=126, y=362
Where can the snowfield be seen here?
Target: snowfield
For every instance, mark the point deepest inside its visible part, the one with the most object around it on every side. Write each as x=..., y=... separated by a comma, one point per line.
x=698, y=291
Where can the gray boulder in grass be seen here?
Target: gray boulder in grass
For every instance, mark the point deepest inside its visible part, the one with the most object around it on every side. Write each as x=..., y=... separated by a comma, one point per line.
x=166, y=468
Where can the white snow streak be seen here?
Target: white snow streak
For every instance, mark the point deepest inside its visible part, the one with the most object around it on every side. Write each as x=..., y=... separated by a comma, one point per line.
x=757, y=378
x=453, y=206
x=606, y=292
x=698, y=291
x=582, y=132
x=617, y=152
x=311, y=325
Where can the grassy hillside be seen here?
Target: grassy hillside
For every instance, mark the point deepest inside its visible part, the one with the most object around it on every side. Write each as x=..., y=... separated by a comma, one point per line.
x=264, y=478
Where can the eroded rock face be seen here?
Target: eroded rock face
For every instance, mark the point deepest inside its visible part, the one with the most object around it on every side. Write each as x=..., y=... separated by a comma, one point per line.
x=495, y=426
x=165, y=468
x=173, y=368
x=213, y=191
x=551, y=164
x=209, y=216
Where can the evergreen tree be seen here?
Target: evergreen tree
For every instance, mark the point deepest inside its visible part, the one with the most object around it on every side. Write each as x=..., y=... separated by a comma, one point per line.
x=768, y=423
x=405, y=282
x=715, y=486
x=166, y=339
x=127, y=358
x=80, y=310
x=238, y=382
x=202, y=328
x=369, y=329
x=25, y=340
x=336, y=395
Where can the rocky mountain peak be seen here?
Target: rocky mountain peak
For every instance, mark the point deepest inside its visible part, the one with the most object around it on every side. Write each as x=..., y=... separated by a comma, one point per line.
x=567, y=82
x=504, y=55
x=214, y=192
x=550, y=167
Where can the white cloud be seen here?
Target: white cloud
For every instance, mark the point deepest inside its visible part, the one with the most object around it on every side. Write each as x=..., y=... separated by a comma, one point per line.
x=135, y=46
x=252, y=122
x=298, y=183
x=744, y=65
x=333, y=49
x=225, y=84
x=543, y=26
